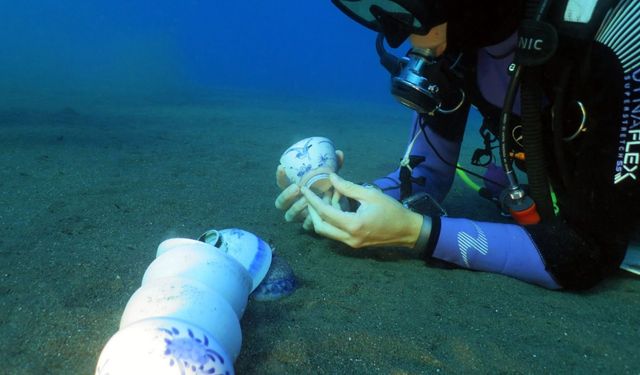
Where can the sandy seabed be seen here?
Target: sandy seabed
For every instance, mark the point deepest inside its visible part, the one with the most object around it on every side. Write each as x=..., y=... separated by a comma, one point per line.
x=88, y=191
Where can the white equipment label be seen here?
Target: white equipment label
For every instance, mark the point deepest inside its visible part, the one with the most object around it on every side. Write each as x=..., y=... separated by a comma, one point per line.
x=579, y=10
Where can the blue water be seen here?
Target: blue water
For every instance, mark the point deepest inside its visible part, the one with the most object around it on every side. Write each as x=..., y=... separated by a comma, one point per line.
x=146, y=48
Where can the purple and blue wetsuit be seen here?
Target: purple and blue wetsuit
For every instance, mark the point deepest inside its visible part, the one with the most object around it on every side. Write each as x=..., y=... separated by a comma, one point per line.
x=573, y=251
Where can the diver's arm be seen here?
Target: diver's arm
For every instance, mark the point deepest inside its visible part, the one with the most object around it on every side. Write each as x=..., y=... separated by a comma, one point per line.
x=553, y=254
x=507, y=249
x=433, y=175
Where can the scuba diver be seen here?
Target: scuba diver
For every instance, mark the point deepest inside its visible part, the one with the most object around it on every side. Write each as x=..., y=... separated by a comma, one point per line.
x=558, y=86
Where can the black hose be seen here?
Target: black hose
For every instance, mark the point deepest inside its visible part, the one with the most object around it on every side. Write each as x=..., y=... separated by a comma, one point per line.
x=536, y=9
x=505, y=120
x=532, y=133
x=389, y=61
x=532, y=130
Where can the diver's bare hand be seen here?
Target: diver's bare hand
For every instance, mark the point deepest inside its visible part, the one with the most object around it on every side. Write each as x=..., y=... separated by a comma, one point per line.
x=379, y=221
x=294, y=204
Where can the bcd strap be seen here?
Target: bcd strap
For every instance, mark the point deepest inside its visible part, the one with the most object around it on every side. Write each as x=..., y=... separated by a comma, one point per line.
x=406, y=180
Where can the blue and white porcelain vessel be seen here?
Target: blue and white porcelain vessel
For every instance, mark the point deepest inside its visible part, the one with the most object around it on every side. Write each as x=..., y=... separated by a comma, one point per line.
x=185, y=317
x=163, y=346
x=250, y=250
x=309, y=162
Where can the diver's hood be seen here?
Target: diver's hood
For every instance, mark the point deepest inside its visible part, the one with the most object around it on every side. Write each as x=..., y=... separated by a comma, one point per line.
x=474, y=24
x=471, y=23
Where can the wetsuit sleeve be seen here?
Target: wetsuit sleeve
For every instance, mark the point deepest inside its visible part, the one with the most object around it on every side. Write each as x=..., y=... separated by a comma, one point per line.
x=553, y=254
x=433, y=175
x=506, y=249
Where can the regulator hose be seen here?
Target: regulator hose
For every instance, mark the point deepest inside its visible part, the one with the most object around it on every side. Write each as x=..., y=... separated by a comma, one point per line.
x=532, y=132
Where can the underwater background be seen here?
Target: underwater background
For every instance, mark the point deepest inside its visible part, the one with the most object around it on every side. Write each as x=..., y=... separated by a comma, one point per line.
x=142, y=48
x=124, y=123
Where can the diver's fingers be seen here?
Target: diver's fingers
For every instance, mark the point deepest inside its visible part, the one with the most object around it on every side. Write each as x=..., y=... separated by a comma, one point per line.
x=335, y=199
x=287, y=197
x=349, y=189
x=340, y=157
x=281, y=178
x=328, y=213
x=296, y=211
x=326, y=198
x=327, y=230
x=308, y=223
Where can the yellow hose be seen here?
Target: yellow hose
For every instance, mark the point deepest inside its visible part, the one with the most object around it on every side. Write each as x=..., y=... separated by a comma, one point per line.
x=465, y=178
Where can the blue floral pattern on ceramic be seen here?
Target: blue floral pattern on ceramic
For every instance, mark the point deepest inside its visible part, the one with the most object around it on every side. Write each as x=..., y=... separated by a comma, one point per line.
x=239, y=233
x=302, y=152
x=308, y=159
x=303, y=170
x=192, y=354
x=324, y=158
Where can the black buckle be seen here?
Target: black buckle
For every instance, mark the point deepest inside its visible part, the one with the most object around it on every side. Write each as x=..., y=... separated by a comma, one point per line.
x=483, y=156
